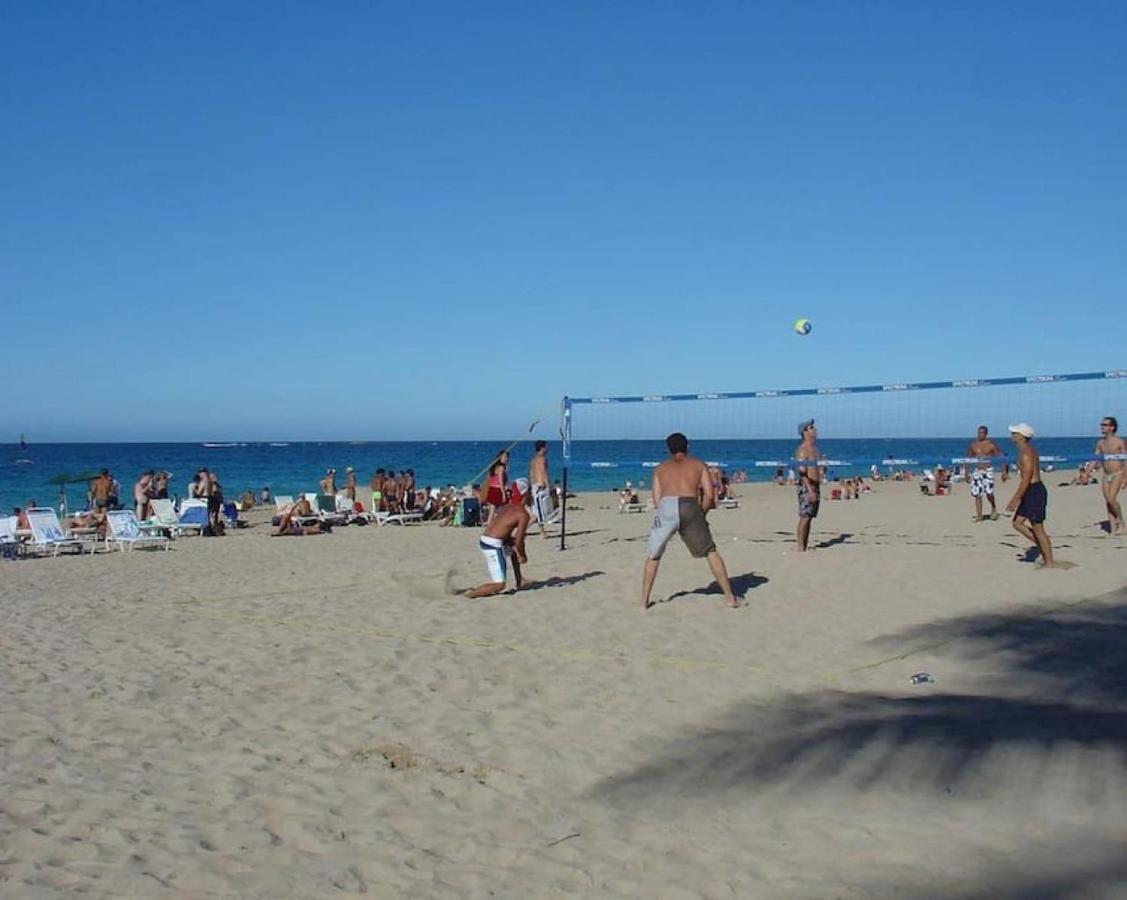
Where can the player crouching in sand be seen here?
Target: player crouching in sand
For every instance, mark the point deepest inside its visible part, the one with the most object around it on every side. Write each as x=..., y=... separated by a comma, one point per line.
x=504, y=534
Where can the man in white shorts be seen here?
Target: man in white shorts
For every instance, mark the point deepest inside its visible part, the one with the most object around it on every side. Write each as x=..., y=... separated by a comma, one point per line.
x=504, y=533
x=982, y=475
x=682, y=493
x=541, y=495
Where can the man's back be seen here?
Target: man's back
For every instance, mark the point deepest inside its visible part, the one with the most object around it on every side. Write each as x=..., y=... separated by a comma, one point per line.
x=680, y=476
x=505, y=521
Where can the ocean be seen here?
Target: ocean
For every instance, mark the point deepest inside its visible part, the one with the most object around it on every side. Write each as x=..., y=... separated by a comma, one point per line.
x=298, y=466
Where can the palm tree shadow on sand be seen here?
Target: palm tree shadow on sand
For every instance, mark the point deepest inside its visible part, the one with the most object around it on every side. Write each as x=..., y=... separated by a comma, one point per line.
x=1057, y=691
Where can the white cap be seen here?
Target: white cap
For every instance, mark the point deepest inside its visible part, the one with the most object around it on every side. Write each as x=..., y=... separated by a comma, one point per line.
x=1022, y=428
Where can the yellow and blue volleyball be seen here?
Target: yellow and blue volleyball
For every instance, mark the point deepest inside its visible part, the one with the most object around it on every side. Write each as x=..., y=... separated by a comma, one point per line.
x=801, y=326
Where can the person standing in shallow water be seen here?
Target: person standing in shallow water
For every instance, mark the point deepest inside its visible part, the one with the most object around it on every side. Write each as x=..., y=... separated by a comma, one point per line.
x=682, y=494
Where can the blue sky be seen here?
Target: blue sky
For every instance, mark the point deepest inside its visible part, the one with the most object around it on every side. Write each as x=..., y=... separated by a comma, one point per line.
x=428, y=220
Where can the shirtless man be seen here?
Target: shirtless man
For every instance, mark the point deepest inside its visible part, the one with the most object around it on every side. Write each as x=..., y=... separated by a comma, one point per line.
x=809, y=485
x=1030, y=500
x=377, y=486
x=328, y=484
x=142, y=493
x=504, y=533
x=1115, y=472
x=350, y=484
x=391, y=492
x=982, y=476
x=100, y=490
x=538, y=479
x=682, y=494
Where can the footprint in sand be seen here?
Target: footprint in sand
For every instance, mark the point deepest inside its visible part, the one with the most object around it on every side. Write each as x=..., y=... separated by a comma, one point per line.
x=424, y=587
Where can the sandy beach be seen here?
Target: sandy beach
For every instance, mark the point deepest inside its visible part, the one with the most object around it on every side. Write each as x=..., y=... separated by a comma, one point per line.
x=297, y=717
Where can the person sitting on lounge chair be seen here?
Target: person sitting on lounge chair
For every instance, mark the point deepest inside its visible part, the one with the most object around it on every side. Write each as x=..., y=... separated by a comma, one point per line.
x=287, y=527
x=96, y=519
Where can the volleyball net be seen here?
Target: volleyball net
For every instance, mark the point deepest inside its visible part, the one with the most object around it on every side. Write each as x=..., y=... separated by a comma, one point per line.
x=895, y=425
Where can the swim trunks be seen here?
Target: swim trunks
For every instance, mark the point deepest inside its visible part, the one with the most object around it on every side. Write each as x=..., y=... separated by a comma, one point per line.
x=809, y=499
x=982, y=482
x=541, y=502
x=1034, y=503
x=684, y=516
x=496, y=553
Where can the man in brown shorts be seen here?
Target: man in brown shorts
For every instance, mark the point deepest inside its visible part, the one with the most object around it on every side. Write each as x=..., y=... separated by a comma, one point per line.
x=682, y=493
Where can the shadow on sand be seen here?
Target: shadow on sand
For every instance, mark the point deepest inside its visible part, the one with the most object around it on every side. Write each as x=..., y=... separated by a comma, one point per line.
x=1055, y=689
x=741, y=584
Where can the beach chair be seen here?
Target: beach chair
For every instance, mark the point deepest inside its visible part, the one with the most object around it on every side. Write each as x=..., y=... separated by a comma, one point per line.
x=193, y=515
x=47, y=534
x=386, y=518
x=324, y=510
x=123, y=529
x=165, y=517
x=284, y=501
x=9, y=545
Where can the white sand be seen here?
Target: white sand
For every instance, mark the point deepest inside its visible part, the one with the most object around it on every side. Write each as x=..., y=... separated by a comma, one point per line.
x=302, y=717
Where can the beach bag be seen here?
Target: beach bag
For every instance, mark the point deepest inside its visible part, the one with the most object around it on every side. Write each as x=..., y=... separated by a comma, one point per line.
x=471, y=512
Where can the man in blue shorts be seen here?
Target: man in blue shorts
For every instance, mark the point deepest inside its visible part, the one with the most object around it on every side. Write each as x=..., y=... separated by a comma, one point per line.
x=1030, y=501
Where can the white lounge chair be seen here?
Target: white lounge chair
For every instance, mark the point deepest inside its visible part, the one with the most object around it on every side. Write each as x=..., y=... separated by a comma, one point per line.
x=9, y=545
x=165, y=517
x=386, y=518
x=47, y=534
x=326, y=510
x=123, y=529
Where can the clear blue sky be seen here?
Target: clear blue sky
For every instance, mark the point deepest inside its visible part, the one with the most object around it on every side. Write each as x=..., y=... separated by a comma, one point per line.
x=397, y=220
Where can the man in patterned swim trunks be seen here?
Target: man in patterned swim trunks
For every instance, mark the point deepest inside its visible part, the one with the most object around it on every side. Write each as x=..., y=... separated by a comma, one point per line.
x=982, y=476
x=809, y=486
x=682, y=493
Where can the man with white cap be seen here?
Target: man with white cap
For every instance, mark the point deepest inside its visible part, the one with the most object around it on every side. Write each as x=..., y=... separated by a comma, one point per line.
x=505, y=533
x=1030, y=501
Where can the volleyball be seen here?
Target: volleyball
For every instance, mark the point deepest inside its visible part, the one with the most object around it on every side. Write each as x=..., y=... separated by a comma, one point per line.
x=801, y=326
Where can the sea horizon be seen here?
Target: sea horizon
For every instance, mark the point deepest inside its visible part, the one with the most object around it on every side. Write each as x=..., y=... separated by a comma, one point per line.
x=289, y=467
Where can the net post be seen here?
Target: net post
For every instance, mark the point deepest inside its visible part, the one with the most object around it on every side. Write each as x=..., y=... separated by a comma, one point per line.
x=565, y=437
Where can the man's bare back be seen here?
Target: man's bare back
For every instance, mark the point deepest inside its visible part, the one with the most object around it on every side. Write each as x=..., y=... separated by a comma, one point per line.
x=683, y=476
x=509, y=524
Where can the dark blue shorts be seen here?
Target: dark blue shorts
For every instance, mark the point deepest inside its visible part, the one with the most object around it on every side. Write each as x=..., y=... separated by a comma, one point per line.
x=1034, y=503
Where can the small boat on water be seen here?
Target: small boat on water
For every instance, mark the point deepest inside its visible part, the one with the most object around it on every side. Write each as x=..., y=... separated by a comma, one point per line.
x=278, y=444
x=214, y=444
x=23, y=459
